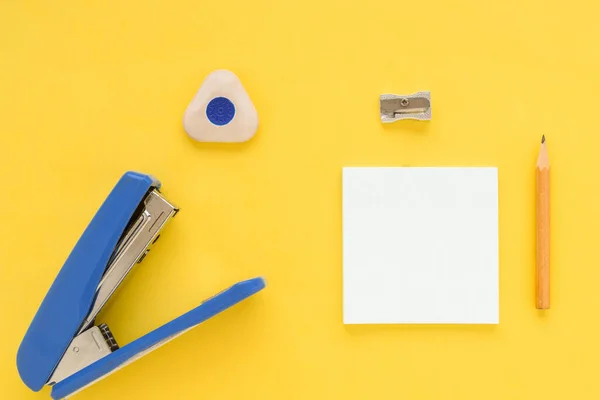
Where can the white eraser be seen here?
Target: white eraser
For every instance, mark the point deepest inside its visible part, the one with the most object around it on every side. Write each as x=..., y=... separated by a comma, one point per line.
x=221, y=111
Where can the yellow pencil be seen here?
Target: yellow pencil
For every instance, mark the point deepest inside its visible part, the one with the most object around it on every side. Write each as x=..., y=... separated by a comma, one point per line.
x=542, y=270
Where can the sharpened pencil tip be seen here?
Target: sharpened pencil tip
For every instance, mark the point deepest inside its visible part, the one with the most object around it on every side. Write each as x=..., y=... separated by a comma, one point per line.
x=543, y=139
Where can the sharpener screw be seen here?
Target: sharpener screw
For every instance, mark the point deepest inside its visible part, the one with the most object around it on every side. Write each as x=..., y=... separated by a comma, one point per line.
x=76, y=349
x=404, y=102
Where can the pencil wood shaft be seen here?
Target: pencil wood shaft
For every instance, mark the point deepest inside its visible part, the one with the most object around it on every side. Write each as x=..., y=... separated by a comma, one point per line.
x=543, y=230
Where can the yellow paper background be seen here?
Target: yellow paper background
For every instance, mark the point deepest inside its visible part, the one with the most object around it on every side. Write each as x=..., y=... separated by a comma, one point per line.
x=91, y=90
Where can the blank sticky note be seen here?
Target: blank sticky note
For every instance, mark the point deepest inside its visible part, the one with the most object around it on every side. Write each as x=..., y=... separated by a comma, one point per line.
x=420, y=245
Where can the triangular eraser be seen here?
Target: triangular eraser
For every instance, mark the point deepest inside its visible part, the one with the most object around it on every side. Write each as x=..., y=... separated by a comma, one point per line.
x=221, y=111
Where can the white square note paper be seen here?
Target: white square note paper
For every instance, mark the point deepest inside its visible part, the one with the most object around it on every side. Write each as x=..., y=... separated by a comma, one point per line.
x=420, y=245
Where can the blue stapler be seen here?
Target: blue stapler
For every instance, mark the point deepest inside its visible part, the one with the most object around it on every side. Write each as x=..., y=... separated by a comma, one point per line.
x=63, y=346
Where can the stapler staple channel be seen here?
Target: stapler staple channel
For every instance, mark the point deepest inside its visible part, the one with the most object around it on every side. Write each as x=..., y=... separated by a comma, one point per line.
x=63, y=347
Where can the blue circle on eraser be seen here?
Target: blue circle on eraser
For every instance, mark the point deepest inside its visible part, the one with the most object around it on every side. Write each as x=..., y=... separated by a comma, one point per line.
x=220, y=111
